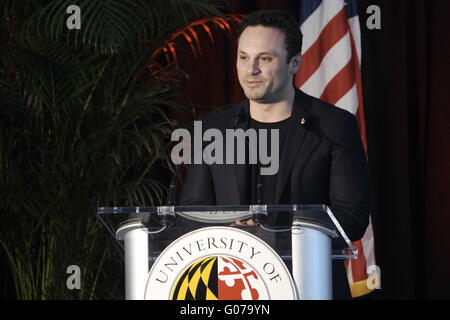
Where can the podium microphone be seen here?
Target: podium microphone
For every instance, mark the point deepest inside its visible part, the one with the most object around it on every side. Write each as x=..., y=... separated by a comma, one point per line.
x=167, y=219
x=259, y=187
x=173, y=187
x=240, y=116
x=259, y=217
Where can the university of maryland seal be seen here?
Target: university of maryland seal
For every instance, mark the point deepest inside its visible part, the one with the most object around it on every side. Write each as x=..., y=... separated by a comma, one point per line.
x=219, y=263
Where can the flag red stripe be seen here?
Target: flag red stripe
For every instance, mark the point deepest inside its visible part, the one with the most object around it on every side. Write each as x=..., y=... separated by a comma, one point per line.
x=330, y=35
x=359, y=265
x=341, y=83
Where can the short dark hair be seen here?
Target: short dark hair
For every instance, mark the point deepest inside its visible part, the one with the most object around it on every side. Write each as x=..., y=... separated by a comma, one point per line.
x=281, y=20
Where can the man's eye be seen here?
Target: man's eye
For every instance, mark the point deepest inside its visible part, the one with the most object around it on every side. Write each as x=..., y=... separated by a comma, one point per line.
x=266, y=59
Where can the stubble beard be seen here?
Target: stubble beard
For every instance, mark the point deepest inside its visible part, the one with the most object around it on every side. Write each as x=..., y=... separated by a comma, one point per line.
x=257, y=94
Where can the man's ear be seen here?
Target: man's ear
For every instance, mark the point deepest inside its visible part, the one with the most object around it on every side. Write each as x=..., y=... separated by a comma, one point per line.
x=295, y=63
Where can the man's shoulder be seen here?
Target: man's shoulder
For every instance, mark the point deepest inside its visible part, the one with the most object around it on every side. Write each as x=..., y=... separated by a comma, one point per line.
x=324, y=109
x=329, y=119
x=226, y=116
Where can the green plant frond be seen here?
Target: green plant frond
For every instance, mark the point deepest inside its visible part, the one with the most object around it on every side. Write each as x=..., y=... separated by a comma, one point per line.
x=106, y=25
x=85, y=122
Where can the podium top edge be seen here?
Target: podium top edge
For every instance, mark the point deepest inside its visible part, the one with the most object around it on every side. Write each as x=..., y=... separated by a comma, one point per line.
x=155, y=209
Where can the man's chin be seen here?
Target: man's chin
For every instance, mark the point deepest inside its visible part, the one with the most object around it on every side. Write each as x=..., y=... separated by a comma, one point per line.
x=254, y=96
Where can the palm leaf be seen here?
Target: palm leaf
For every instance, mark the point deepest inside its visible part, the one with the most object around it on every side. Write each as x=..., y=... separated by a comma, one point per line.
x=85, y=123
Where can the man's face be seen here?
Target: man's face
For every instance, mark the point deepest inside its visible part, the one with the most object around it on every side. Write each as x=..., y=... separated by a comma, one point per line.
x=263, y=72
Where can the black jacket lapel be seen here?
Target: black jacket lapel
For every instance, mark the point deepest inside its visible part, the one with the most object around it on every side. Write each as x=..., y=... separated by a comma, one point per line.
x=296, y=141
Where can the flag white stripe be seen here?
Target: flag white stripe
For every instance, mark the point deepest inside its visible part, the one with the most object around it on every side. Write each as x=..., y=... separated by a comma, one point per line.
x=368, y=243
x=335, y=59
x=356, y=33
x=349, y=101
x=313, y=25
x=349, y=272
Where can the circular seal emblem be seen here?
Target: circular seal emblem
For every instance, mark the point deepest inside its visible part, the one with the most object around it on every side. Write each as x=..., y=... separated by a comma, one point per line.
x=219, y=263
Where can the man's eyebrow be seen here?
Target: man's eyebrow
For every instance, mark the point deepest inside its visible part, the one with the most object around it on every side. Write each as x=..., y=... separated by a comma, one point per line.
x=259, y=54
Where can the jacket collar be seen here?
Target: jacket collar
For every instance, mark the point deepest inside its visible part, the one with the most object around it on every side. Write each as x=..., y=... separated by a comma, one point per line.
x=299, y=110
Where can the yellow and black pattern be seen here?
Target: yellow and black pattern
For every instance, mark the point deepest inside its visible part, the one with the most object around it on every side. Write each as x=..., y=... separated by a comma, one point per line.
x=198, y=282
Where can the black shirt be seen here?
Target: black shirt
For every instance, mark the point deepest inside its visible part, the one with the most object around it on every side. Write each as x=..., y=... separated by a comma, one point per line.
x=268, y=181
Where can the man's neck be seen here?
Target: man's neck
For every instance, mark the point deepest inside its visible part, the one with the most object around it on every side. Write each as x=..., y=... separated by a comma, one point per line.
x=273, y=112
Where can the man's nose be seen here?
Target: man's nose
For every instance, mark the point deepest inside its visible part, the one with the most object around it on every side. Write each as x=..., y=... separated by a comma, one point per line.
x=253, y=66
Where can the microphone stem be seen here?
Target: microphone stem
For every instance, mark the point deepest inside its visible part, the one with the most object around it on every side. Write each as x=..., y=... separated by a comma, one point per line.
x=259, y=187
x=173, y=187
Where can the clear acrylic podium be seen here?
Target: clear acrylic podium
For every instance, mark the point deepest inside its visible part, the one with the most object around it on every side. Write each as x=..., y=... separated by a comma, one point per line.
x=306, y=238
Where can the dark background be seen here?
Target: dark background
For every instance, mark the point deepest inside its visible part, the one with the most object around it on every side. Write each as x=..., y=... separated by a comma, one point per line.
x=405, y=86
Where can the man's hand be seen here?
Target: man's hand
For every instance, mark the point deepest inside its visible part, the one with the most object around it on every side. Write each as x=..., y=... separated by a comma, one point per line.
x=246, y=223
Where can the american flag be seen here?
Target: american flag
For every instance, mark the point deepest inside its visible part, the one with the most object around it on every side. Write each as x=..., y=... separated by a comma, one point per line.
x=331, y=61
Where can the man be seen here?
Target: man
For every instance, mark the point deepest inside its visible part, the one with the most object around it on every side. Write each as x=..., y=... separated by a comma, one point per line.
x=321, y=155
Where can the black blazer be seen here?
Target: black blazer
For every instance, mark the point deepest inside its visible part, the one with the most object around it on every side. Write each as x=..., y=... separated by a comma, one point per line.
x=323, y=161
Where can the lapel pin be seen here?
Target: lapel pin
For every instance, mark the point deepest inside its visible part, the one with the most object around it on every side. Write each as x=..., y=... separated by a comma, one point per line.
x=302, y=121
